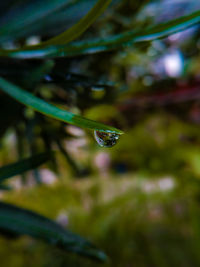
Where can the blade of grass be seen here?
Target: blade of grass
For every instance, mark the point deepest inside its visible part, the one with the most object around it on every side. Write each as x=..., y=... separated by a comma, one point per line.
x=26, y=14
x=68, y=35
x=22, y=166
x=4, y=187
x=49, y=21
x=41, y=106
x=20, y=221
x=114, y=42
x=80, y=27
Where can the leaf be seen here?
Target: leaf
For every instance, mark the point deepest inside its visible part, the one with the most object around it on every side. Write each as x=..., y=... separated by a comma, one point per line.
x=29, y=16
x=36, y=17
x=23, y=15
x=4, y=187
x=80, y=27
x=41, y=106
x=114, y=42
x=24, y=165
x=20, y=221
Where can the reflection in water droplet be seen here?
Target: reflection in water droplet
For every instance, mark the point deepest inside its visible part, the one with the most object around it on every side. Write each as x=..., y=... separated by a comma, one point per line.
x=106, y=139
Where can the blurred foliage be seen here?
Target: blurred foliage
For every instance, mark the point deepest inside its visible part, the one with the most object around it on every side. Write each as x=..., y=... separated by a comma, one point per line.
x=139, y=200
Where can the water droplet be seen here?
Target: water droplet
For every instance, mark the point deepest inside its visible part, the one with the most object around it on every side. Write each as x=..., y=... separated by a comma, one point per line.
x=106, y=139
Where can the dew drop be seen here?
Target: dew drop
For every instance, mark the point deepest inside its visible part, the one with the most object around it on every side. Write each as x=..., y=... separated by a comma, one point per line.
x=106, y=139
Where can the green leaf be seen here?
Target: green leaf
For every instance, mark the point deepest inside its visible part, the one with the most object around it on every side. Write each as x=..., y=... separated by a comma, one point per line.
x=114, y=42
x=23, y=166
x=24, y=222
x=5, y=187
x=36, y=18
x=29, y=16
x=41, y=106
x=80, y=27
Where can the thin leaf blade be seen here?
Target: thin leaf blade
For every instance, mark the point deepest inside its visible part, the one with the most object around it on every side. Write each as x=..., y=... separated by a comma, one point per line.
x=114, y=42
x=81, y=26
x=67, y=36
x=22, y=166
x=41, y=106
x=23, y=16
x=24, y=222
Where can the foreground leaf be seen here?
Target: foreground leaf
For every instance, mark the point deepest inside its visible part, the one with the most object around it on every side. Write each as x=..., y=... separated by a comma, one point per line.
x=23, y=166
x=114, y=42
x=20, y=221
x=50, y=110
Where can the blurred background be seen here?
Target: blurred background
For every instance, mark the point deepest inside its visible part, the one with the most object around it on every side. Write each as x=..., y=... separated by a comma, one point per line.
x=138, y=201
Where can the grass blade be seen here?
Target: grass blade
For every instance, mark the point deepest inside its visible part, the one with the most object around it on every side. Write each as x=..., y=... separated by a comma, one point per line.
x=80, y=27
x=23, y=166
x=20, y=221
x=23, y=16
x=41, y=106
x=114, y=42
x=63, y=38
